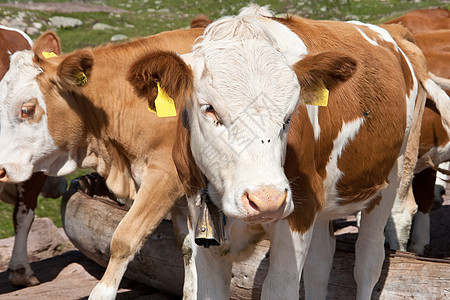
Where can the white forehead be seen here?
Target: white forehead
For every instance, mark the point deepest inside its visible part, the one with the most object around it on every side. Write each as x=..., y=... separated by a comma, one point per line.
x=19, y=82
x=248, y=58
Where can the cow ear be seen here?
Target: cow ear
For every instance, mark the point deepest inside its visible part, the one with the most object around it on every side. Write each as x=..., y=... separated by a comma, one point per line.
x=75, y=69
x=188, y=171
x=166, y=68
x=323, y=70
x=47, y=44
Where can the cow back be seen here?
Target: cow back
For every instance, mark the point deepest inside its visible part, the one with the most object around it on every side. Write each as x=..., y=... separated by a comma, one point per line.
x=361, y=114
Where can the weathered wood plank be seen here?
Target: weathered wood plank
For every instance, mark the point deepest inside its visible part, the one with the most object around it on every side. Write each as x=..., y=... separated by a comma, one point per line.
x=90, y=222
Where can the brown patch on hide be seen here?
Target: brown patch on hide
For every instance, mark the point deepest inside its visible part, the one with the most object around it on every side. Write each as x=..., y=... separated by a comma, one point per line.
x=424, y=20
x=10, y=42
x=188, y=171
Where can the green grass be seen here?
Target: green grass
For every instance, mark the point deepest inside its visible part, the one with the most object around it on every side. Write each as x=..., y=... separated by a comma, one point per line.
x=153, y=16
x=49, y=208
x=147, y=18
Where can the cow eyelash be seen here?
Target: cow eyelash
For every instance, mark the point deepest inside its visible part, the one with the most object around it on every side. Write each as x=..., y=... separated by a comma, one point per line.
x=27, y=111
x=209, y=110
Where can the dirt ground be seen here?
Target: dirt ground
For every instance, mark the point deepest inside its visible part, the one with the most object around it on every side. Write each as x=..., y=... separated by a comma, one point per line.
x=71, y=275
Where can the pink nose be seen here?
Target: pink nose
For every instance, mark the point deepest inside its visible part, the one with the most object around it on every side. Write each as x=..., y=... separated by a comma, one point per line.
x=266, y=202
x=3, y=175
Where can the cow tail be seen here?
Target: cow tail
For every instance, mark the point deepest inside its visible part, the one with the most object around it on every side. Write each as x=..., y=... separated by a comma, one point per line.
x=434, y=87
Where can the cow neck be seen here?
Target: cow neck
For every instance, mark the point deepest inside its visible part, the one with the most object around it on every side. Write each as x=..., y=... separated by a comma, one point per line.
x=114, y=122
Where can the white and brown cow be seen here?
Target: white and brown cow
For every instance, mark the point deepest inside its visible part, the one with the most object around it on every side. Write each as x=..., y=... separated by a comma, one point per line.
x=275, y=166
x=79, y=110
x=421, y=20
x=430, y=30
x=23, y=195
x=434, y=140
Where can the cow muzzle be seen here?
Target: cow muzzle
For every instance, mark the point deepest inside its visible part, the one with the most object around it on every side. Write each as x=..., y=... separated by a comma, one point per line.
x=264, y=204
x=12, y=173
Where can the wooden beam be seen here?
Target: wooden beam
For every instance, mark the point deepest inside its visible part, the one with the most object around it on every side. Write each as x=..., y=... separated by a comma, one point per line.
x=90, y=222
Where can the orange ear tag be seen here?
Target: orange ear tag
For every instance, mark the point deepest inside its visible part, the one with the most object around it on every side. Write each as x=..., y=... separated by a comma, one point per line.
x=165, y=106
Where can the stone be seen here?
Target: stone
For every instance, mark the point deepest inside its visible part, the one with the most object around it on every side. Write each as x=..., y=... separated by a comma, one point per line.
x=44, y=241
x=118, y=37
x=18, y=24
x=32, y=31
x=102, y=26
x=64, y=22
x=37, y=25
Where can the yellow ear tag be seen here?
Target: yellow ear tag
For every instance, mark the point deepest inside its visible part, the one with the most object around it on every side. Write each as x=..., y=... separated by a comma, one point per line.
x=49, y=54
x=81, y=78
x=319, y=97
x=165, y=107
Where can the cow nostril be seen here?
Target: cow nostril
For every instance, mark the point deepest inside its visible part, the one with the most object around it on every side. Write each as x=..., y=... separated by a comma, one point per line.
x=250, y=203
x=2, y=173
x=253, y=205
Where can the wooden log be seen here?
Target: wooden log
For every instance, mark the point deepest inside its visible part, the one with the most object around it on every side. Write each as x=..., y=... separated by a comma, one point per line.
x=90, y=222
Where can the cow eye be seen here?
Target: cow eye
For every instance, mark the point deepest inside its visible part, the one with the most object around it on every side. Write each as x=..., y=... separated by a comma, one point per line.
x=27, y=110
x=209, y=111
x=286, y=123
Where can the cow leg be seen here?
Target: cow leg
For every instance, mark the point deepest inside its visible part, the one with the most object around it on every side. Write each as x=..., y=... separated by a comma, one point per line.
x=322, y=248
x=423, y=188
x=440, y=184
x=207, y=270
x=184, y=234
x=153, y=201
x=20, y=272
x=369, y=248
x=288, y=252
x=213, y=273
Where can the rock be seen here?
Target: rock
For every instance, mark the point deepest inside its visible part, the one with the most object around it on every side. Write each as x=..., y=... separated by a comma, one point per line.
x=5, y=21
x=101, y=26
x=118, y=37
x=18, y=24
x=44, y=240
x=37, y=25
x=32, y=31
x=64, y=22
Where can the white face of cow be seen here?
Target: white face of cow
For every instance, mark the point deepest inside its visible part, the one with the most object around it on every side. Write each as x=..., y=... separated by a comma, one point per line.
x=26, y=145
x=244, y=97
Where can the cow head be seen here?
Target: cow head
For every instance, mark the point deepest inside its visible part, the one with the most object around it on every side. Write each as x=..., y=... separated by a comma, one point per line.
x=27, y=115
x=237, y=117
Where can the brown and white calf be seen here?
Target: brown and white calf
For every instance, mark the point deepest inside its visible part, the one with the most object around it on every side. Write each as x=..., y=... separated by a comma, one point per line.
x=79, y=110
x=429, y=30
x=275, y=166
x=434, y=140
x=23, y=195
x=421, y=20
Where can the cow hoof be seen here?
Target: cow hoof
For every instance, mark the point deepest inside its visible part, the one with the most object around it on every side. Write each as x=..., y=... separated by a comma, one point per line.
x=417, y=248
x=18, y=278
